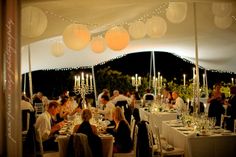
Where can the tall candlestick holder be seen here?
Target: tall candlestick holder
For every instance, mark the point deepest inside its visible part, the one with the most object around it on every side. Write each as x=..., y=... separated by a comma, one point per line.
x=136, y=81
x=82, y=86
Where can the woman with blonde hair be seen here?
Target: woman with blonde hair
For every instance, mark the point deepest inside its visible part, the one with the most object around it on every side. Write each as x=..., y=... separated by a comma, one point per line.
x=86, y=128
x=123, y=142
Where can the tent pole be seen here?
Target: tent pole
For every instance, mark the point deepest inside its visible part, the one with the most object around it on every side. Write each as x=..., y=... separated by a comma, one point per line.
x=24, y=83
x=196, y=107
x=30, y=74
x=94, y=86
x=154, y=72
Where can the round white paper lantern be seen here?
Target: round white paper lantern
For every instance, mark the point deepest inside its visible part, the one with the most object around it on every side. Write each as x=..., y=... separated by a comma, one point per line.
x=223, y=22
x=156, y=27
x=117, y=38
x=98, y=44
x=176, y=12
x=137, y=30
x=76, y=36
x=221, y=9
x=57, y=49
x=33, y=22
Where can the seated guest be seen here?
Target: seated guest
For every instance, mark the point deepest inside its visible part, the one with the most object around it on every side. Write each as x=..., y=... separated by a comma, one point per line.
x=46, y=126
x=107, y=107
x=121, y=132
x=179, y=103
x=86, y=128
x=117, y=96
x=25, y=104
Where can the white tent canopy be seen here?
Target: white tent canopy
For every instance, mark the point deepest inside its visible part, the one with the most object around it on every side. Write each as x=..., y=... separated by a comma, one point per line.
x=216, y=46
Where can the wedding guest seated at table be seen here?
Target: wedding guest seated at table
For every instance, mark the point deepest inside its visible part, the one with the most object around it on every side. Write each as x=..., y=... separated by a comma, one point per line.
x=167, y=95
x=90, y=130
x=118, y=96
x=107, y=107
x=63, y=110
x=104, y=92
x=179, y=103
x=46, y=126
x=148, y=95
x=121, y=132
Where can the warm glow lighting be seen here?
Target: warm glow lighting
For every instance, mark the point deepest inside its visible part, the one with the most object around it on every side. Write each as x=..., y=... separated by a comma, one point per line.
x=156, y=27
x=98, y=44
x=34, y=22
x=76, y=36
x=117, y=38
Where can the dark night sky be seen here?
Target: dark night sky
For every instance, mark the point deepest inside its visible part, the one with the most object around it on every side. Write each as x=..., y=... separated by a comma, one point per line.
x=167, y=64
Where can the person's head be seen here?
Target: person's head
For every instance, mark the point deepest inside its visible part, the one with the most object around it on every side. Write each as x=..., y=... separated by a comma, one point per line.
x=148, y=90
x=39, y=95
x=217, y=86
x=116, y=93
x=175, y=95
x=105, y=92
x=118, y=114
x=86, y=115
x=53, y=108
x=104, y=99
x=64, y=101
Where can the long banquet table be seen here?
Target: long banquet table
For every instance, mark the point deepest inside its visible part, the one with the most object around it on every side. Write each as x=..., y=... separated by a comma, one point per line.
x=214, y=145
x=155, y=119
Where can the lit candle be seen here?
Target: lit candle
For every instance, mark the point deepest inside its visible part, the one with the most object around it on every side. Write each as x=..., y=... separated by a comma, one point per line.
x=232, y=79
x=153, y=81
x=204, y=80
x=184, y=79
x=78, y=79
x=82, y=76
x=86, y=79
x=139, y=80
x=136, y=78
x=91, y=81
x=133, y=80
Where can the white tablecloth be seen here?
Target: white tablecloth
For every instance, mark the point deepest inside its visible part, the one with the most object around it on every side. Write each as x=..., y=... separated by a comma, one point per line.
x=157, y=118
x=200, y=146
x=107, y=145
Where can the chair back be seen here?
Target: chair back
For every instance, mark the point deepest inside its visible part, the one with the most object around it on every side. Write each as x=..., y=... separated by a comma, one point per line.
x=132, y=127
x=39, y=109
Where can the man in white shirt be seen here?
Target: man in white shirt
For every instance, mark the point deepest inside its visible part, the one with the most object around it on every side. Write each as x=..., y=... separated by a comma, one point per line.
x=179, y=103
x=47, y=127
x=107, y=108
x=119, y=97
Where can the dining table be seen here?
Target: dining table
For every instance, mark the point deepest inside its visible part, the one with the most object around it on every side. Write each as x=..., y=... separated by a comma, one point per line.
x=156, y=117
x=65, y=133
x=217, y=142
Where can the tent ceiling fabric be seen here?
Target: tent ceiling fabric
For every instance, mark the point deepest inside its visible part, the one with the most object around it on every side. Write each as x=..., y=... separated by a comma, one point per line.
x=216, y=47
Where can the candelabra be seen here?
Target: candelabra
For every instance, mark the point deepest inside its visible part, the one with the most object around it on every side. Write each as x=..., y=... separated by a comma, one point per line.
x=83, y=86
x=136, y=81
